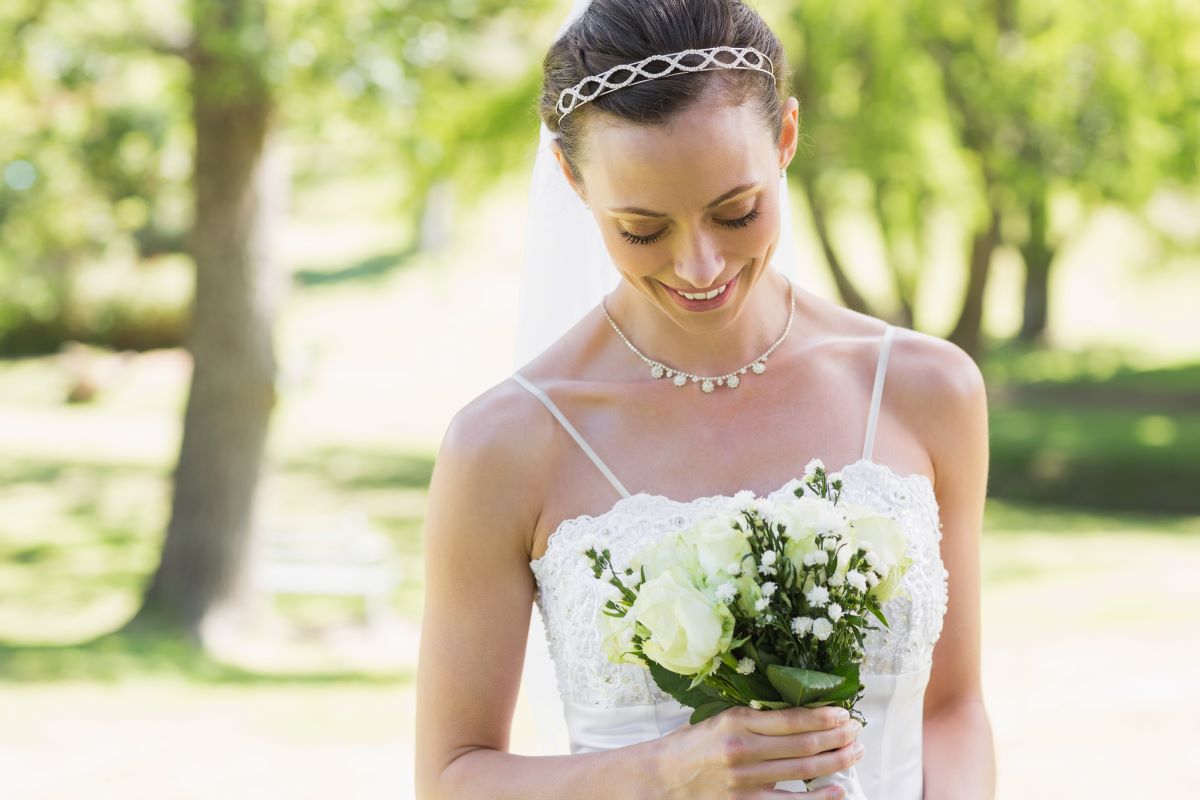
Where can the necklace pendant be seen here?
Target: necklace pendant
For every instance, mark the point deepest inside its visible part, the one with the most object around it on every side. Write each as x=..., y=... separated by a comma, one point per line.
x=680, y=379
x=732, y=381
x=706, y=386
x=657, y=371
x=758, y=367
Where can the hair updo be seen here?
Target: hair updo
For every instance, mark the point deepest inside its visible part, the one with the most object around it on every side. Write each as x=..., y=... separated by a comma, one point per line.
x=613, y=32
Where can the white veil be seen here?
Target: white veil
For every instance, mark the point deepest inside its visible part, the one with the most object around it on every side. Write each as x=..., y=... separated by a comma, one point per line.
x=567, y=271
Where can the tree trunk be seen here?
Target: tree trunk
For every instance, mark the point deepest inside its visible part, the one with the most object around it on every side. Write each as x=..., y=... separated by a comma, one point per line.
x=1038, y=256
x=967, y=331
x=232, y=388
x=849, y=294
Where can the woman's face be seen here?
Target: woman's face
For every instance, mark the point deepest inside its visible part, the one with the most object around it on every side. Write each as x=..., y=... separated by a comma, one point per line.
x=691, y=206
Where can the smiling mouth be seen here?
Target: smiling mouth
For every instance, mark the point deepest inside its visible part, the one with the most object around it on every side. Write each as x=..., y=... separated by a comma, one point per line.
x=709, y=295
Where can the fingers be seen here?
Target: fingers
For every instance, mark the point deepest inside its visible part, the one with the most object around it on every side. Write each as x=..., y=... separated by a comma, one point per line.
x=776, y=722
x=792, y=745
x=804, y=767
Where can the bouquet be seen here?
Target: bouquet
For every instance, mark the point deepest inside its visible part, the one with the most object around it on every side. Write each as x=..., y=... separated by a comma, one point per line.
x=764, y=604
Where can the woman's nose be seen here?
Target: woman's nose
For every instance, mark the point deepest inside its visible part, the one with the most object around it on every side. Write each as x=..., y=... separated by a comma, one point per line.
x=699, y=262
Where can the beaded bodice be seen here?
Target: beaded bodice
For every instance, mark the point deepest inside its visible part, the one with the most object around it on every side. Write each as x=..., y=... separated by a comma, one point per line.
x=569, y=596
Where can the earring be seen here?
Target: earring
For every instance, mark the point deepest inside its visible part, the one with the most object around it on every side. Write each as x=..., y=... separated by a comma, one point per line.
x=783, y=172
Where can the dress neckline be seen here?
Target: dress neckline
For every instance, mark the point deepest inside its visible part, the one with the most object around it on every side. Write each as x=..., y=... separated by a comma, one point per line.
x=919, y=478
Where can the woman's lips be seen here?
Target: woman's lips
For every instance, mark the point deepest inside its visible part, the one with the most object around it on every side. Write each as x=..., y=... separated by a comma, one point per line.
x=705, y=305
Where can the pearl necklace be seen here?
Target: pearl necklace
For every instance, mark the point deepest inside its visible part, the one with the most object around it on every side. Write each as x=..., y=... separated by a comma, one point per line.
x=660, y=370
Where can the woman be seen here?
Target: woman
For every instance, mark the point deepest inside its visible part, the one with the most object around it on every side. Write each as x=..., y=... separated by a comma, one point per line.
x=672, y=124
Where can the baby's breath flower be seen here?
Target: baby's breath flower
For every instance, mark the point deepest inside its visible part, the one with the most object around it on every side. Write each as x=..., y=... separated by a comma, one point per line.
x=768, y=557
x=831, y=542
x=822, y=628
x=766, y=569
x=734, y=568
x=857, y=580
x=817, y=596
x=873, y=560
x=834, y=611
x=814, y=557
x=872, y=579
x=745, y=666
x=769, y=588
x=836, y=580
x=811, y=467
x=761, y=603
x=801, y=625
x=726, y=591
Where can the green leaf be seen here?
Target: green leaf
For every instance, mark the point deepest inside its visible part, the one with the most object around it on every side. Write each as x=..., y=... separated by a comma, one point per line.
x=775, y=704
x=677, y=686
x=850, y=686
x=754, y=686
x=801, y=687
x=878, y=612
x=709, y=709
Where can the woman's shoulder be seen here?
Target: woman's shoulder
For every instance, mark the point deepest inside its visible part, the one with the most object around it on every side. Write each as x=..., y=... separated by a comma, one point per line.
x=931, y=385
x=498, y=428
x=491, y=458
x=923, y=370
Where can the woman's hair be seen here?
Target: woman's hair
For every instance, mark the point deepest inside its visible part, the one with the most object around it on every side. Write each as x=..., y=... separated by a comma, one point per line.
x=613, y=32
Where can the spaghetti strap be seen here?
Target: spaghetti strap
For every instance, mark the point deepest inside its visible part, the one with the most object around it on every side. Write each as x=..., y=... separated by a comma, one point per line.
x=877, y=392
x=558, y=415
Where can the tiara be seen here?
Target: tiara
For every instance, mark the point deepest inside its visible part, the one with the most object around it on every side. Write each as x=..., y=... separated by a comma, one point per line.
x=660, y=66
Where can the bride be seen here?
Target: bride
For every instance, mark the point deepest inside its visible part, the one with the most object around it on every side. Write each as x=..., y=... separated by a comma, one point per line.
x=695, y=369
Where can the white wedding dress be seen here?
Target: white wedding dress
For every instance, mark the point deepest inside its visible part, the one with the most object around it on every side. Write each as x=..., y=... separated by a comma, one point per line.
x=611, y=705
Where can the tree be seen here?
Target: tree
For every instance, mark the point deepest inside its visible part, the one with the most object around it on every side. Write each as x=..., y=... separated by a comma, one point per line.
x=232, y=387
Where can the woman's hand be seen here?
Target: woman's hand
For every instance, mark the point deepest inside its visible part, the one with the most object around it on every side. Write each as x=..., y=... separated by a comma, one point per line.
x=741, y=753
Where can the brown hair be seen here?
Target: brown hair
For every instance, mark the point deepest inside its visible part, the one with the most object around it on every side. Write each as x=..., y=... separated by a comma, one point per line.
x=613, y=32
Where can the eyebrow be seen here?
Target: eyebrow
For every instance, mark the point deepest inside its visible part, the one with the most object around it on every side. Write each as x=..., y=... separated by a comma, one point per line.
x=642, y=212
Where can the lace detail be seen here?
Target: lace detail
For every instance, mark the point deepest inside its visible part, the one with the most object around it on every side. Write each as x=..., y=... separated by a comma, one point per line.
x=569, y=597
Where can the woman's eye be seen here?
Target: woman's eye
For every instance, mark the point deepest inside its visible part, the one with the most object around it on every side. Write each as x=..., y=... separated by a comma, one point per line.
x=740, y=222
x=634, y=238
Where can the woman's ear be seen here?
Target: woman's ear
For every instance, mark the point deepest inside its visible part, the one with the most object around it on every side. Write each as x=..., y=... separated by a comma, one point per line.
x=569, y=173
x=789, y=131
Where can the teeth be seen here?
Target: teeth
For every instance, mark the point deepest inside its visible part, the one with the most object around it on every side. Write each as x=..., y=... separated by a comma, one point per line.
x=705, y=295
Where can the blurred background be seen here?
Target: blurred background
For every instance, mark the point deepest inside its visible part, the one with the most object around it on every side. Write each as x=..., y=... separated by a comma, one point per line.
x=254, y=254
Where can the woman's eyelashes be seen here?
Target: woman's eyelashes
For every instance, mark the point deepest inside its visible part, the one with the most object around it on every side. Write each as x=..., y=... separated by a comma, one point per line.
x=740, y=222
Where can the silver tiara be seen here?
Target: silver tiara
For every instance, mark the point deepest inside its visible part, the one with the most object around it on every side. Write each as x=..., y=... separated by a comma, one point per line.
x=660, y=66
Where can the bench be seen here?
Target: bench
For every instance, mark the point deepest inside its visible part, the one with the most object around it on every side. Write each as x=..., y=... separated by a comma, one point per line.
x=340, y=557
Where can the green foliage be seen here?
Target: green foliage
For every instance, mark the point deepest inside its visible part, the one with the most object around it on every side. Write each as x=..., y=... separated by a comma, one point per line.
x=97, y=156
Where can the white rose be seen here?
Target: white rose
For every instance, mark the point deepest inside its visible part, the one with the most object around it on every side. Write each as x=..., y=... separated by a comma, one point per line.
x=807, y=516
x=667, y=553
x=749, y=591
x=716, y=545
x=889, y=586
x=617, y=638
x=686, y=630
x=880, y=534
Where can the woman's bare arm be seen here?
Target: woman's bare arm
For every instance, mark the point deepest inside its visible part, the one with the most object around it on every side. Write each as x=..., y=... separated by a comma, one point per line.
x=959, y=758
x=478, y=595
